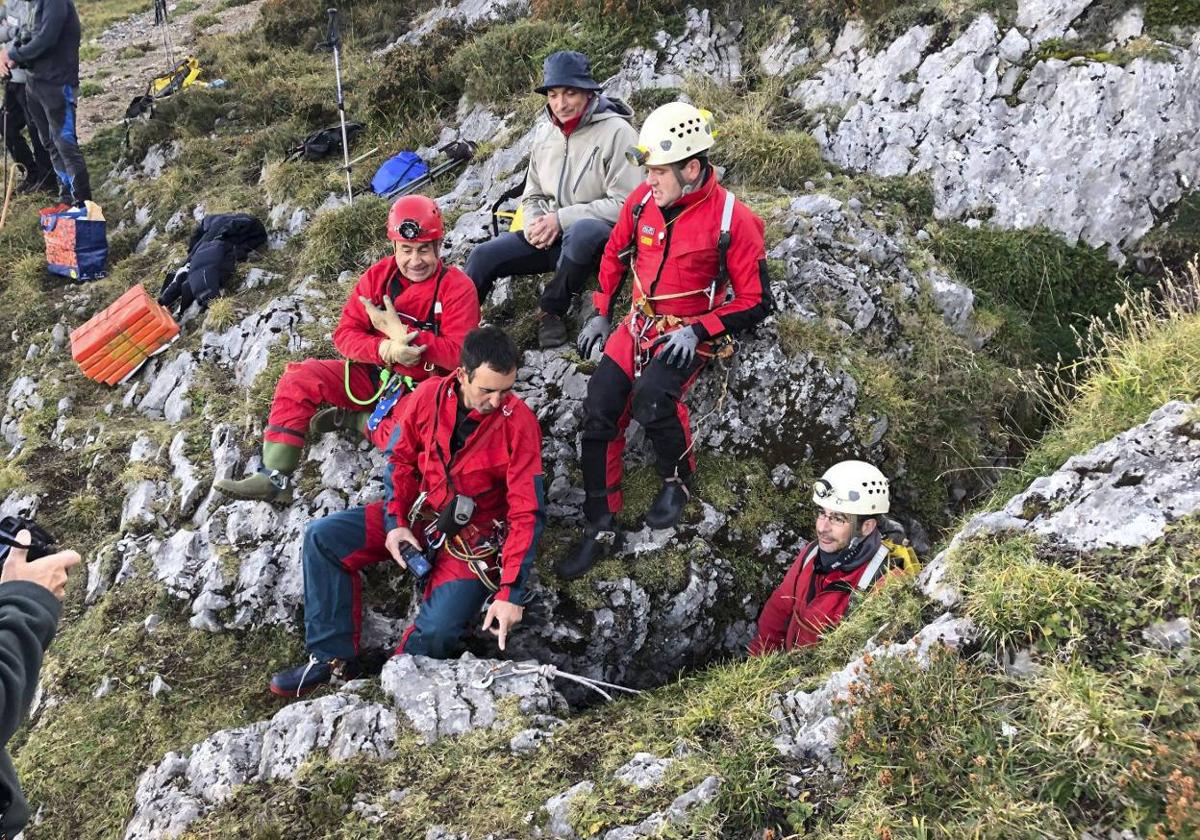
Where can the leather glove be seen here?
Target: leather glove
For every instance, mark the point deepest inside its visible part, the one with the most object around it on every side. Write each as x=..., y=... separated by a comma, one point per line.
x=678, y=347
x=395, y=352
x=386, y=320
x=594, y=333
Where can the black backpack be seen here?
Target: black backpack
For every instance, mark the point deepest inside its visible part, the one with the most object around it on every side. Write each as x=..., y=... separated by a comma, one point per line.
x=327, y=141
x=218, y=243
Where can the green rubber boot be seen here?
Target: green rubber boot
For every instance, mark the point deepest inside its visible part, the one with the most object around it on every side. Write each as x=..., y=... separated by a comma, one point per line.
x=336, y=419
x=272, y=483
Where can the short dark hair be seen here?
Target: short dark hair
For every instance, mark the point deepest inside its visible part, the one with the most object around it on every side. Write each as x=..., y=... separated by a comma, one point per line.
x=489, y=346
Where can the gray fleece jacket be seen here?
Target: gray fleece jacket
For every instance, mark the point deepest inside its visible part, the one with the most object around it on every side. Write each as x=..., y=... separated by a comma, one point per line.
x=16, y=26
x=584, y=175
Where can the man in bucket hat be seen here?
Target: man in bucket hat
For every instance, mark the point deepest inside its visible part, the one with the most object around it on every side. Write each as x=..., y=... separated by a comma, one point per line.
x=576, y=183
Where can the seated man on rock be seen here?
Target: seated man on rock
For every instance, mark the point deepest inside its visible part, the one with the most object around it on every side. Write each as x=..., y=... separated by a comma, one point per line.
x=848, y=555
x=578, y=178
x=698, y=267
x=464, y=512
x=404, y=322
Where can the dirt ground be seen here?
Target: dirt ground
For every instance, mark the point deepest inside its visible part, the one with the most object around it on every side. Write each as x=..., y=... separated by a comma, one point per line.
x=133, y=52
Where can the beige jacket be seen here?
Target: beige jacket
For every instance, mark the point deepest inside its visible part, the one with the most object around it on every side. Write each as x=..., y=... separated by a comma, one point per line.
x=585, y=175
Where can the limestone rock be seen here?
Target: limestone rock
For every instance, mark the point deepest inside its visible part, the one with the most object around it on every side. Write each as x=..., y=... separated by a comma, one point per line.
x=676, y=813
x=643, y=770
x=706, y=47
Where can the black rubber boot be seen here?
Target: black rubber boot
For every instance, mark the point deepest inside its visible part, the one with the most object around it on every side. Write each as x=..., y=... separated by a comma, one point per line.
x=552, y=331
x=668, y=506
x=599, y=541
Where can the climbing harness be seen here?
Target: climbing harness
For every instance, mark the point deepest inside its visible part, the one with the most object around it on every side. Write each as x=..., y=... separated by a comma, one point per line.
x=389, y=394
x=514, y=669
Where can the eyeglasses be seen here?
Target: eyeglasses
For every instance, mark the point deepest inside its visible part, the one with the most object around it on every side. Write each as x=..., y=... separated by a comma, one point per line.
x=833, y=518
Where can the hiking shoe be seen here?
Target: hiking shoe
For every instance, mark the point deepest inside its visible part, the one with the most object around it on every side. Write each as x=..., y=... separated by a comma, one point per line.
x=668, y=506
x=552, y=330
x=337, y=419
x=599, y=541
x=300, y=680
x=263, y=486
x=46, y=184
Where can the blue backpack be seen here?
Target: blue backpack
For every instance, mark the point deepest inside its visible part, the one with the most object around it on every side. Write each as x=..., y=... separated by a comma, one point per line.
x=398, y=171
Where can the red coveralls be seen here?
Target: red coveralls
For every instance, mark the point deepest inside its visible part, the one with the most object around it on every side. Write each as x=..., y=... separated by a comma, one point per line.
x=499, y=466
x=306, y=385
x=677, y=261
x=802, y=608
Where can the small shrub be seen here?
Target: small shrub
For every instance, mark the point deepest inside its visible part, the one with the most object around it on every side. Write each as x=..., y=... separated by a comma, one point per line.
x=350, y=237
x=203, y=21
x=1167, y=13
x=90, y=88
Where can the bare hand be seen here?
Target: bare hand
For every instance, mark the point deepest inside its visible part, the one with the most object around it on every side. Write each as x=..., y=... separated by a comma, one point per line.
x=6, y=62
x=386, y=320
x=393, y=540
x=506, y=615
x=49, y=572
x=542, y=231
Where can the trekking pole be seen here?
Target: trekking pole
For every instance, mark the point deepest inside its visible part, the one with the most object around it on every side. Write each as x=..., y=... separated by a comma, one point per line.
x=160, y=20
x=335, y=43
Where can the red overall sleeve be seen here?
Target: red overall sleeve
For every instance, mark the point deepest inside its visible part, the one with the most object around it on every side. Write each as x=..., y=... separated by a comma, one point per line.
x=526, y=504
x=777, y=612
x=747, y=264
x=460, y=315
x=354, y=337
x=405, y=474
x=612, y=269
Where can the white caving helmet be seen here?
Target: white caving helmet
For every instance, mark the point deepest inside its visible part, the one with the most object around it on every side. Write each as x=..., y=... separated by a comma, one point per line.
x=852, y=487
x=671, y=133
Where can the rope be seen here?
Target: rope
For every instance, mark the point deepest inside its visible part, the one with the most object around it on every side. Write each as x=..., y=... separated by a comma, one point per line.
x=512, y=669
x=384, y=376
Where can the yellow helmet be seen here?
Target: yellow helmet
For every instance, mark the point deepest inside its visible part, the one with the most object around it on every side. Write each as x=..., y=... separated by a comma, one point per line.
x=853, y=487
x=671, y=133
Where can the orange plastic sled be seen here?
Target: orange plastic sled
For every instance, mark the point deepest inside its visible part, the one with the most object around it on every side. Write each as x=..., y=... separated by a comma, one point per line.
x=111, y=346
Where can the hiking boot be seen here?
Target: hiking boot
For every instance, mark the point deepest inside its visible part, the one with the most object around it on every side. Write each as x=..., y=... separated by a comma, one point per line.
x=599, y=541
x=264, y=486
x=337, y=419
x=47, y=184
x=552, y=331
x=668, y=506
x=300, y=680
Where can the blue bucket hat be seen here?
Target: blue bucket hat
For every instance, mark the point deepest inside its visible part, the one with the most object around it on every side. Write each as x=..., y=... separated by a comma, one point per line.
x=567, y=68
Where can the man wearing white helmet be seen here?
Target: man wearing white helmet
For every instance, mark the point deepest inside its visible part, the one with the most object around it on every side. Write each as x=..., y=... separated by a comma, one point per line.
x=697, y=265
x=848, y=555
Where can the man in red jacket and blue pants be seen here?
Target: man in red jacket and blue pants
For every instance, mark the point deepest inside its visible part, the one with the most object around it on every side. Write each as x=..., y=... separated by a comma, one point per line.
x=404, y=322
x=688, y=244
x=848, y=555
x=465, y=496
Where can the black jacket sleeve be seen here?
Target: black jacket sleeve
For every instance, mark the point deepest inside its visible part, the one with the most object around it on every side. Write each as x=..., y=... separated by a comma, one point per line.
x=50, y=17
x=28, y=617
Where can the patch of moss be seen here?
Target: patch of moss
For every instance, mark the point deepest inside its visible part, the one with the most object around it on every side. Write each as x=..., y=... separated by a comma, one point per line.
x=350, y=237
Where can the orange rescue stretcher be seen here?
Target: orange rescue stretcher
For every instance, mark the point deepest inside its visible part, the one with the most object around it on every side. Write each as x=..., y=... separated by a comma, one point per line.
x=115, y=343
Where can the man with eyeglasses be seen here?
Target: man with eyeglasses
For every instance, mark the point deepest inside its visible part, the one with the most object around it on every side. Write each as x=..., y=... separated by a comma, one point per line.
x=463, y=513
x=848, y=555
x=403, y=323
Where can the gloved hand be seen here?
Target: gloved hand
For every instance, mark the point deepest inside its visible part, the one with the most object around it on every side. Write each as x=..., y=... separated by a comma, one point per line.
x=594, y=334
x=385, y=320
x=395, y=352
x=678, y=347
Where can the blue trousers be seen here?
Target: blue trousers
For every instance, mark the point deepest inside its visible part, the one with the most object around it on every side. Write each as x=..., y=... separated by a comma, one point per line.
x=336, y=549
x=572, y=258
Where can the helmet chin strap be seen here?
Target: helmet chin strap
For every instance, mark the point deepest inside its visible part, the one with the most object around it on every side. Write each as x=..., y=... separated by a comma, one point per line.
x=685, y=186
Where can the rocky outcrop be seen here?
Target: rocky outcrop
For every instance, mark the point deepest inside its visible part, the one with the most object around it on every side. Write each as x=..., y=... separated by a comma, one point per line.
x=437, y=698
x=1091, y=149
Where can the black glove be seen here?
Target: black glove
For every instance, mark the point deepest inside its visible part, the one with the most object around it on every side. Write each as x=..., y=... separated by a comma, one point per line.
x=678, y=347
x=594, y=334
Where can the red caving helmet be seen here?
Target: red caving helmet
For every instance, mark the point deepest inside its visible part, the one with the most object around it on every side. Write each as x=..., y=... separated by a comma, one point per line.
x=415, y=218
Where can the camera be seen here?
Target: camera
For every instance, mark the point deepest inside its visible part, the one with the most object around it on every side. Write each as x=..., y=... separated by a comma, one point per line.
x=415, y=559
x=41, y=542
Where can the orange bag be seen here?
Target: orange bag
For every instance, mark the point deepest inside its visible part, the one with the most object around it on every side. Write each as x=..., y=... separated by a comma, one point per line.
x=111, y=346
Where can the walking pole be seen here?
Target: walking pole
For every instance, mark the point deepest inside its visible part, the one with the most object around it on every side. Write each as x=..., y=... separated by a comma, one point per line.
x=335, y=42
x=160, y=20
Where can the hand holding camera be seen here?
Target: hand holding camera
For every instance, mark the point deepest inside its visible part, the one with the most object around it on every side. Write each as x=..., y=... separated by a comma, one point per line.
x=402, y=544
x=45, y=569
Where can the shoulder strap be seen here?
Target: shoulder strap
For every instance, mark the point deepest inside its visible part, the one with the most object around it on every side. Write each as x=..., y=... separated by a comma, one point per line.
x=724, y=238
x=868, y=575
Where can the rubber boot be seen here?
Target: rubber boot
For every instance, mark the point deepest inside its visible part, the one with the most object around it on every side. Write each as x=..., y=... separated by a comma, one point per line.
x=552, y=330
x=273, y=483
x=337, y=419
x=668, y=506
x=600, y=540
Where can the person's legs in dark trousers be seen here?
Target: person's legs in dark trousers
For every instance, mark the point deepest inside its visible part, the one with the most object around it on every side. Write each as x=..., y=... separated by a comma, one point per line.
x=505, y=256
x=658, y=406
x=605, y=418
x=42, y=173
x=582, y=246
x=52, y=109
x=449, y=609
x=14, y=122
